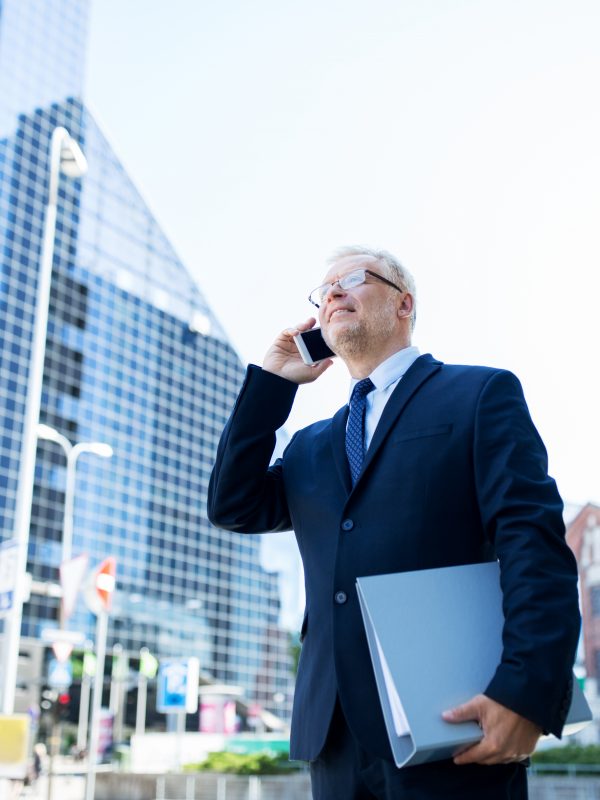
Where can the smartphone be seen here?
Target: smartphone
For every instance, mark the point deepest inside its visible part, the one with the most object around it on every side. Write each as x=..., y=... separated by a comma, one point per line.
x=312, y=346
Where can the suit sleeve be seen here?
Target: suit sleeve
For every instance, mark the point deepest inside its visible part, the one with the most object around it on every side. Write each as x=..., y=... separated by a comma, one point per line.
x=522, y=514
x=245, y=494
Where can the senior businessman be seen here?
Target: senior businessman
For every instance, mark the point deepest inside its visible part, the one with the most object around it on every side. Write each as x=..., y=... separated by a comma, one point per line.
x=429, y=465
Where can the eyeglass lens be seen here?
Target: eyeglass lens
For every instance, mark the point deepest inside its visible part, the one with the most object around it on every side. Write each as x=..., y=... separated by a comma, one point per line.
x=349, y=281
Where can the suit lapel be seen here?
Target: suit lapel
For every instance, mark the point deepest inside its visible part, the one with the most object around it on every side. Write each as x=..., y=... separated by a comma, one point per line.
x=420, y=371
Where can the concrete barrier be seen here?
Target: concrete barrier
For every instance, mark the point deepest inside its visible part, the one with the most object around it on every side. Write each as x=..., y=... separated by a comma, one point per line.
x=563, y=787
x=295, y=786
x=201, y=786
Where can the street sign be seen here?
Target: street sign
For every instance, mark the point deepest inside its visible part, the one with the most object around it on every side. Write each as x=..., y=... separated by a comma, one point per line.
x=100, y=587
x=89, y=664
x=8, y=575
x=62, y=650
x=51, y=635
x=120, y=665
x=178, y=685
x=62, y=641
x=72, y=573
x=148, y=664
x=60, y=674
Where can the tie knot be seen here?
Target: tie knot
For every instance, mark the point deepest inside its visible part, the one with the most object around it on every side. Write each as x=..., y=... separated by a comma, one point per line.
x=362, y=389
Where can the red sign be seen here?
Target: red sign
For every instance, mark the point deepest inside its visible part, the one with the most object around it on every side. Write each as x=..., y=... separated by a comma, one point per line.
x=105, y=581
x=100, y=587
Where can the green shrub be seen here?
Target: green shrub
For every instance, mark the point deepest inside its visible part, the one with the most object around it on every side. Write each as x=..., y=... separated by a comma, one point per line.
x=569, y=754
x=244, y=764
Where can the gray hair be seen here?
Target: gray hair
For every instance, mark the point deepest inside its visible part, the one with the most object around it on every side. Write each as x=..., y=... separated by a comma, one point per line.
x=392, y=269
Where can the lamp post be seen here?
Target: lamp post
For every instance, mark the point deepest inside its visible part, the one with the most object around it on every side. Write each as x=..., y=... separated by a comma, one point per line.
x=72, y=452
x=66, y=158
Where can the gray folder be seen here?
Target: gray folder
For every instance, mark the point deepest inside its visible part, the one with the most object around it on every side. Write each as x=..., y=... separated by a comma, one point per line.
x=435, y=638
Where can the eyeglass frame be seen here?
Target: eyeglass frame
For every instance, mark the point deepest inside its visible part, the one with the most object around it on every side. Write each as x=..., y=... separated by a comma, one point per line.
x=352, y=272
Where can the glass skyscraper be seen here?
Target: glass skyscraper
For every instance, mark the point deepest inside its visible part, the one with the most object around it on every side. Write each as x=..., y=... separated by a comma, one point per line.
x=134, y=358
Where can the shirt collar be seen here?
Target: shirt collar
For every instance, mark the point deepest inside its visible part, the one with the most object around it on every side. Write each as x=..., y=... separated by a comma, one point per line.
x=392, y=369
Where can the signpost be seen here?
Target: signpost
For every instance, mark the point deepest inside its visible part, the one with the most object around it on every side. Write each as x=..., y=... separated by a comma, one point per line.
x=8, y=575
x=88, y=672
x=9, y=553
x=147, y=671
x=178, y=686
x=177, y=692
x=62, y=641
x=60, y=677
x=99, y=599
x=60, y=674
x=118, y=686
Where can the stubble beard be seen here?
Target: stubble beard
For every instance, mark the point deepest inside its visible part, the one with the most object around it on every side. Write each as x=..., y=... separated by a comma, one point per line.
x=357, y=337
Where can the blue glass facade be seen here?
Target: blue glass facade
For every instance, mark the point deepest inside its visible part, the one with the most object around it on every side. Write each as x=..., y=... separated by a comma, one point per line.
x=134, y=358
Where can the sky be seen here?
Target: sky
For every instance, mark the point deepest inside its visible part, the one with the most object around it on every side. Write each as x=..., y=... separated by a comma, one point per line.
x=461, y=135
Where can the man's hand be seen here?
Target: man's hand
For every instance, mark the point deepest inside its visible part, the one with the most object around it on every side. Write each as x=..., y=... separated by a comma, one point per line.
x=283, y=358
x=507, y=736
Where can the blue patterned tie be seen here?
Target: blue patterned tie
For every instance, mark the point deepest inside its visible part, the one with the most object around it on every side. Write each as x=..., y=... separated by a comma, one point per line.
x=355, y=430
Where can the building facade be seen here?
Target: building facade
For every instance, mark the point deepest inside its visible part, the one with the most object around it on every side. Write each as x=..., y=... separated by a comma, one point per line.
x=583, y=536
x=136, y=359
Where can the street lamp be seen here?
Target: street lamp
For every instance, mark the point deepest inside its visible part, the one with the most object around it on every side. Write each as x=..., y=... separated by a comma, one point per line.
x=72, y=452
x=66, y=158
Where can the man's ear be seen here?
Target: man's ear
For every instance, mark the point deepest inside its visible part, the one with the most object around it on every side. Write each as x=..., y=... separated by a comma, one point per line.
x=406, y=306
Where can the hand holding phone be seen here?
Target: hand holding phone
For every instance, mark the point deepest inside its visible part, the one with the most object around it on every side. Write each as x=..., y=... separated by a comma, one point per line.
x=283, y=358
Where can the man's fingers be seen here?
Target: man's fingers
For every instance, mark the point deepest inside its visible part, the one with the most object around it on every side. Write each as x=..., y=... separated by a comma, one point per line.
x=484, y=752
x=507, y=737
x=467, y=711
x=471, y=755
x=476, y=753
x=300, y=327
x=480, y=757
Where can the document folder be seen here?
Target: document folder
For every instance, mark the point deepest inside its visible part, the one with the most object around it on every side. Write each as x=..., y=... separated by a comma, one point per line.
x=435, y=638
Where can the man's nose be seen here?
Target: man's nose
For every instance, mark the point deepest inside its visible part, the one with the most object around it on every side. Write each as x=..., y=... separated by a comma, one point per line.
x=335, y=290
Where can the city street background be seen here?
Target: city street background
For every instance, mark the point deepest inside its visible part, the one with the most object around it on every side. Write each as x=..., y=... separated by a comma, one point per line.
x=461, y=136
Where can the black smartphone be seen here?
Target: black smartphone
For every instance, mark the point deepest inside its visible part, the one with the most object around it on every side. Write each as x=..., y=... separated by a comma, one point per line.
x=312, y=346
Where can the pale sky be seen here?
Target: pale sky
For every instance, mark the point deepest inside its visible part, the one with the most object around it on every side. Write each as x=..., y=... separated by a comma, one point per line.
x=462, y=135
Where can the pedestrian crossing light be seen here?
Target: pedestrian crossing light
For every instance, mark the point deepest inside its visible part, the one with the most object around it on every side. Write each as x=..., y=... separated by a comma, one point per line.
x=63, y=705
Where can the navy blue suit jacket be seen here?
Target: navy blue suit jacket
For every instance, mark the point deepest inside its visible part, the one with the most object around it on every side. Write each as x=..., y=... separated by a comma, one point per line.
x=456, y=473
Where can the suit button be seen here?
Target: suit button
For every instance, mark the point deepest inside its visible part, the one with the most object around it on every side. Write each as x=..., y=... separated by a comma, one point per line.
x=340, y=598
x=347, y=525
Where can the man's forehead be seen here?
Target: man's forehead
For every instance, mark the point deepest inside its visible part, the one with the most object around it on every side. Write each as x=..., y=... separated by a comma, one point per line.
x=348, y=263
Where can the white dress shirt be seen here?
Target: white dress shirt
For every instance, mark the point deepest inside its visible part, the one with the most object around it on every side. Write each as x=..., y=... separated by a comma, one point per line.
x=385, y=377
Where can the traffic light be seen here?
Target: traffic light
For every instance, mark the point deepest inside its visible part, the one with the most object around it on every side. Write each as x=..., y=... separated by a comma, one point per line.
x=63, y=706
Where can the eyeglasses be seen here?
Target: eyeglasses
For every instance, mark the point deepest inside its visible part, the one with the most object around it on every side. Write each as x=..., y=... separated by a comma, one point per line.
x=349, y=281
